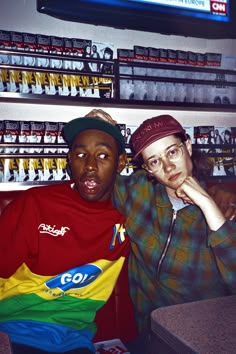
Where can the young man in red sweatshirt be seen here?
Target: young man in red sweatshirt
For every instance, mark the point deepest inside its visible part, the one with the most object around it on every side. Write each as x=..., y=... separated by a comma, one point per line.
x=63, y=247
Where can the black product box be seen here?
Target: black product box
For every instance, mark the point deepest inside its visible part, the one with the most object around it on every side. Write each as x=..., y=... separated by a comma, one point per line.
x=81, y=48
x=18, y=45
x=30, y=44
x=140, y=53
x=68, y=50
x=50, y=136
x=43, y=46
x=153, y=54
x=201, y=60
x=171, y=56
x=182, y=57
x=163, y=55
x=10, y=134
x=125, y=54
x=5, y=43
x=213, y=59
x=36, y=135
x=192, y=58
x=57, y=47
x=24, y=135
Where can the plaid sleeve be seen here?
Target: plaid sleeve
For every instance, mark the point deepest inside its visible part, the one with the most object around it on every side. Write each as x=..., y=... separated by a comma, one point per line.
x=223, y=243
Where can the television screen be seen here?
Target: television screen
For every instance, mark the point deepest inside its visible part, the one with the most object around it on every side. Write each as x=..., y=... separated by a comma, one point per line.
x=194, y=18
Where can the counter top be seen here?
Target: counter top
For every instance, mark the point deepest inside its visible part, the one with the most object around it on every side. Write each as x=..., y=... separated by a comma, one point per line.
x=203, y=327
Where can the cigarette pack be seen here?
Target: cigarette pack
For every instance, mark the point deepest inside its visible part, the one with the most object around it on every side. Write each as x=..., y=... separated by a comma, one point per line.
x=114, y=346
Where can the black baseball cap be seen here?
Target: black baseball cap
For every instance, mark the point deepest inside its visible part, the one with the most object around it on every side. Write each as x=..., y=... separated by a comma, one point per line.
x=77, y=125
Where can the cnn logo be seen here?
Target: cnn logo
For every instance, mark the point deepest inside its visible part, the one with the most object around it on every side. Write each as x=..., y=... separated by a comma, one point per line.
x=218, y=7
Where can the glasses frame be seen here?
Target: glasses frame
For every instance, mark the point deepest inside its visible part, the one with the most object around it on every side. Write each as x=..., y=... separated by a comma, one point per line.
x=164, y=155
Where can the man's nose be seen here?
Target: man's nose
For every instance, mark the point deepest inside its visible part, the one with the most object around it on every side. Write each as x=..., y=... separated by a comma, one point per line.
x=91, y=163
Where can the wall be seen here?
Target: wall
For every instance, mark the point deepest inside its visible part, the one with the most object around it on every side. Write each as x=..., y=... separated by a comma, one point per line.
x=21, y=15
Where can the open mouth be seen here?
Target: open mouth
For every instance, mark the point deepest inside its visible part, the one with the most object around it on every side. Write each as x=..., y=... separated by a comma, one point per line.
x=90, y=186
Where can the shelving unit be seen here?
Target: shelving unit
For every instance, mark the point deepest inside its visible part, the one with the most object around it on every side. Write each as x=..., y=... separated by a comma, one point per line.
x=120, y=71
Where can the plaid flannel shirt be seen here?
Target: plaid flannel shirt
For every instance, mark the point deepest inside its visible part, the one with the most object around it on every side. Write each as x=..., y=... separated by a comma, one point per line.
x=199, y=263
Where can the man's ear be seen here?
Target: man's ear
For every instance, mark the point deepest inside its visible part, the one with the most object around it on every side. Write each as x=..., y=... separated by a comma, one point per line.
x=121, y=162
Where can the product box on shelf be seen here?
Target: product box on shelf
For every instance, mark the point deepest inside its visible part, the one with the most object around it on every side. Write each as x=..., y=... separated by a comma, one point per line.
x=50, y=136
x=17, y=44
x=213, y=59
x=192, y=58
x=37, y=130
x=15, y=81
x=56, y=47
x=24, y=169
x=10, y=134
x=60, y=138
x=11, y=170
x=24, y=136
x=182, y=57
x=81, y=48
x=4, y=80
x=203, y=134
x=140, y=86
x=62, y=169
x=171, y=56
x=55, y=84
x=50, y=168
x=43, y=47
x=104, y=51
x=201, y=60
x=28, y=82
x=36, y=169
x=68, y=51
x=5, y=43
x=30, y=44
x=126, y=87
x=153, y=54
x=42, y=82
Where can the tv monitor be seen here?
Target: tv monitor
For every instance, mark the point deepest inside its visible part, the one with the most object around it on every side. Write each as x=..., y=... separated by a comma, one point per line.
x=213, y=19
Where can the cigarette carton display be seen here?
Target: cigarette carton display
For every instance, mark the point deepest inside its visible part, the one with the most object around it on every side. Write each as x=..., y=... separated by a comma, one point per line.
x=81, y=48
x=24, y=136
x=15, y=81
x=28, y=82
x=68, y=50
x=18, y=45
x=60, y=139
x=11, y=170
x=24, y=168
x=36, y=136
x=5, y=43
x=30, y=44
x=36, y=167
x=50, y=169
x=50, y=136
x=104, y=51
x=10, y=135
x=56, y=47
x=43, y=46
x=62, y=171
x=171, y=56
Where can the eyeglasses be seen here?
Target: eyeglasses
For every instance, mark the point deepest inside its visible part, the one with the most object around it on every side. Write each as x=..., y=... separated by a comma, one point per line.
x=173, y=154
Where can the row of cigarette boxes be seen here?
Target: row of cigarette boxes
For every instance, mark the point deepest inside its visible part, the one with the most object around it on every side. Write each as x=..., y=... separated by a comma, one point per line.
x=52, y=48
x=34, y=132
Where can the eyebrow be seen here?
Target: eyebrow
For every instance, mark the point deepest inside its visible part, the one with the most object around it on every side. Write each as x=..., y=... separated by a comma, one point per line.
x=154, y=156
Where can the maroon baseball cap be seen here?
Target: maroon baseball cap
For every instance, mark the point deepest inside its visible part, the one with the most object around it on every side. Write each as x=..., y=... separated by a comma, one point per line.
x=154, y=129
